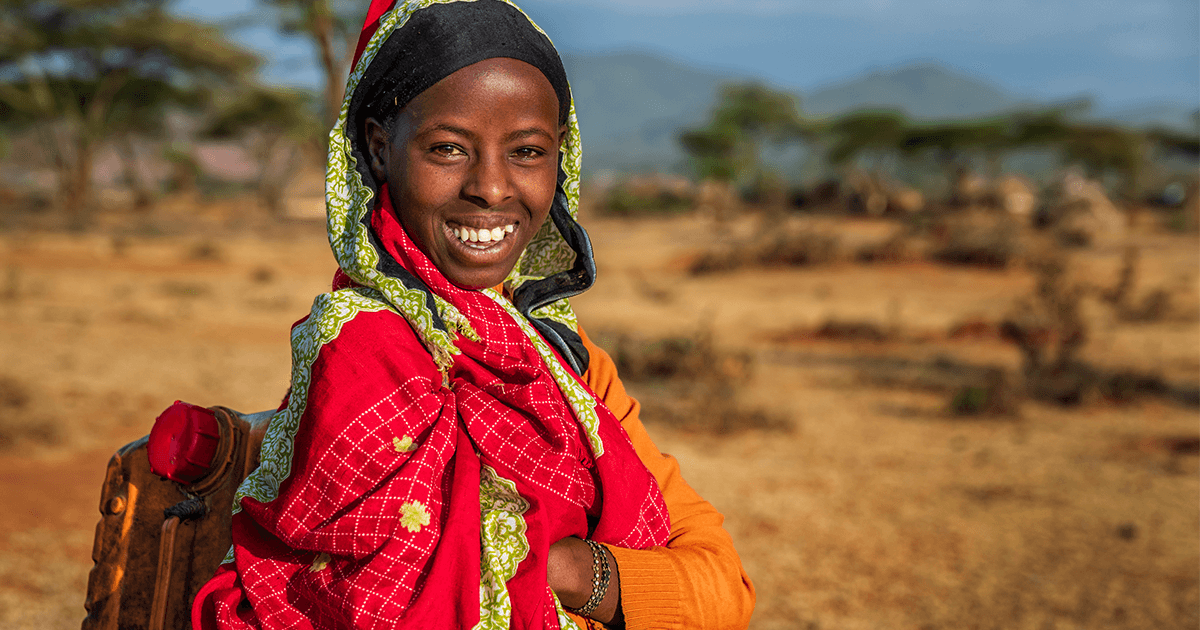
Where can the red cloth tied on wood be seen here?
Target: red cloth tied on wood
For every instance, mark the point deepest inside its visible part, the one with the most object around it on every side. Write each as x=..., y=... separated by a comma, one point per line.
x=378, y=524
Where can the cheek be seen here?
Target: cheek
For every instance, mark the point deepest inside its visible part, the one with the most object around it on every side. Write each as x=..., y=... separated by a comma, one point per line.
x=414, y=214
x=416, y=192
x=543, y=188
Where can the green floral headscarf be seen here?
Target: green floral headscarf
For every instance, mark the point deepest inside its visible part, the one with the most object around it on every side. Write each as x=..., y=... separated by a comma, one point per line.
x=555, y=265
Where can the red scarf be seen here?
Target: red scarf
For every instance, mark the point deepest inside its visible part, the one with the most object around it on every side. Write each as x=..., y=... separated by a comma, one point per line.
x=378, y=524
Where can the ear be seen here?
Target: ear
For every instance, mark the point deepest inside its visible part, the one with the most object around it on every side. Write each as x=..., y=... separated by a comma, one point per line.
x=379, y=145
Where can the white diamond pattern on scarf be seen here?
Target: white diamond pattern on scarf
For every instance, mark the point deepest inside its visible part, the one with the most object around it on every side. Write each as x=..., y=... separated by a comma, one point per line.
x=348, y=202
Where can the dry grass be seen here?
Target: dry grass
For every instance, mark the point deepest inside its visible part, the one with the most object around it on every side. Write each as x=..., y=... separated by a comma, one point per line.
x=885, y=509
x=881, y=508
x=805, y=248
x=19, y=425
x=1153, y=306
x=974, y=238
x=772, y=249
x=687, y=383
x=977, y=238
x=1051, y=328
x=1063, y=573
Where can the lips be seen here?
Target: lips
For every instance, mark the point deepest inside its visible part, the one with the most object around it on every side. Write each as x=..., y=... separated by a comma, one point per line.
x=486, y=241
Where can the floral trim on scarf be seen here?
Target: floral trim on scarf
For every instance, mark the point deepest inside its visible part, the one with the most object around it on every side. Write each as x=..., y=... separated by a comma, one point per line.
x=503, y=546
x=330, y=311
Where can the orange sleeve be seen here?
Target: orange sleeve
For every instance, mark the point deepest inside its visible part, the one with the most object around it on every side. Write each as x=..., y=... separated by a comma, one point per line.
x=696, y=580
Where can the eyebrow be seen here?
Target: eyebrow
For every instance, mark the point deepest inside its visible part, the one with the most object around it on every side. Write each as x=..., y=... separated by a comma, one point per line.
x=518, y=134
x=450, y=128
x=521, y=134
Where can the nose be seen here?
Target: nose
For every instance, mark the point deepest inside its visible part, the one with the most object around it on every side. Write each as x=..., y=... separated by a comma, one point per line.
x=489, y=183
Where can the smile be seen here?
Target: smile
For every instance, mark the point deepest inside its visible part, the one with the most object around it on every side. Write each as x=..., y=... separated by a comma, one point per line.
x=482, y=238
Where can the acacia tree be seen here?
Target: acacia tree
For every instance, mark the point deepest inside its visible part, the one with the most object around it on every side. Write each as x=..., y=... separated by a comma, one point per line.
x=1170, y=142
x=713, y=151
x=874, y=133
x=747, y=116
x=272, y=124
x=1101, y=149
x=80, y=72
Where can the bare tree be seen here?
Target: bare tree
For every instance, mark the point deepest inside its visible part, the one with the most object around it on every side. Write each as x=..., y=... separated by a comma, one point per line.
x=333, y=28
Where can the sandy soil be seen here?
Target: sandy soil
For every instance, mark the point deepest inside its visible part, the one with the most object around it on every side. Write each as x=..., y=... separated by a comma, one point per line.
x=877, y=509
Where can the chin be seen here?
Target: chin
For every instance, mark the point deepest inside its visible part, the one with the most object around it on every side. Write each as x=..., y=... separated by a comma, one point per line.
x=475, y=280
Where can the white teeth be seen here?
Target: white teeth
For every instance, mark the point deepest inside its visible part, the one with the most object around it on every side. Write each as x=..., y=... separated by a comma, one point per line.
x=483, y=235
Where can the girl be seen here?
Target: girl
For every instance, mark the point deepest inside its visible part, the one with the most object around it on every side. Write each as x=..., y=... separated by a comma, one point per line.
x=454, y=452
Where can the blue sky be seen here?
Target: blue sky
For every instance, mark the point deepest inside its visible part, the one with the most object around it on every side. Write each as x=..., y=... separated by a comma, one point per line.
x=1123, y=53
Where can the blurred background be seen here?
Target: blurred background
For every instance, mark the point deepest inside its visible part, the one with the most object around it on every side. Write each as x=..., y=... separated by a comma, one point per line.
x=911, y=289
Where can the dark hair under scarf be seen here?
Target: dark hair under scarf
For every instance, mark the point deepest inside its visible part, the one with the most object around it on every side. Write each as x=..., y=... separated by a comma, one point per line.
x=434, y=43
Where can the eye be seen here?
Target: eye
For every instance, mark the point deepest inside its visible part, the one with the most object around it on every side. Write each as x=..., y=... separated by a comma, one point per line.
x=528, y=154
x=447, y=150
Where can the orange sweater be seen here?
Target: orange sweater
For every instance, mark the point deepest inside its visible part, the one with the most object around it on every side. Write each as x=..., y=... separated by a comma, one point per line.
x=696, y=580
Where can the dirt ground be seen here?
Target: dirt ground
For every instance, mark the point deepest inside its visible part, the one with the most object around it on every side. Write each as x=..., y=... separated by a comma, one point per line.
x=874, y=508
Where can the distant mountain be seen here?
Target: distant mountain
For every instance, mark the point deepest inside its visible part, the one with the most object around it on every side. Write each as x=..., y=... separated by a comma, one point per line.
x=922, y=91
x=631, y=107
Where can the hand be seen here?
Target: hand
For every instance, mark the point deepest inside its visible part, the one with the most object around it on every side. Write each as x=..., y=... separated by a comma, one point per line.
x=569, y=572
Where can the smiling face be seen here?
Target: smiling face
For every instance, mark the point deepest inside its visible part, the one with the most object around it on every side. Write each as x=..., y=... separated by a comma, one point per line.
x=472, y=167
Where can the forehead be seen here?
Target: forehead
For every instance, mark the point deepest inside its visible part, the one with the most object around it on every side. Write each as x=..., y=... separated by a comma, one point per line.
x=496, y=89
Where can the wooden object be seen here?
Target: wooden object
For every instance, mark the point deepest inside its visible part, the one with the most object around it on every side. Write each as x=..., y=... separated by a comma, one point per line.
x=158, y=541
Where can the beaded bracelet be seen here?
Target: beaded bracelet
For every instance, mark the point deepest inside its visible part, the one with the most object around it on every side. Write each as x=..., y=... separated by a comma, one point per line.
x=600, y=576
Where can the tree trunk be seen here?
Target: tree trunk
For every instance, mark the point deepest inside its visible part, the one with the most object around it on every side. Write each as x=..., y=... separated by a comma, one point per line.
x=79, y=187
x=323, y=33
x=276, y=159
x=143, y=198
